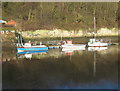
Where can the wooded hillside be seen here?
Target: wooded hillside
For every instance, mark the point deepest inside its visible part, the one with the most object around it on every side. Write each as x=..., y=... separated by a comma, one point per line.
x=61, y=15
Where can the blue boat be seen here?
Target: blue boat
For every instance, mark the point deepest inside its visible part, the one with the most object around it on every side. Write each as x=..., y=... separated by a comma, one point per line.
x=28, y=46
x=32, y=48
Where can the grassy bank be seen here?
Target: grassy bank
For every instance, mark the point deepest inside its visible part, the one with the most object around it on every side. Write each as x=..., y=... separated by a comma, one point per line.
x=56, y=33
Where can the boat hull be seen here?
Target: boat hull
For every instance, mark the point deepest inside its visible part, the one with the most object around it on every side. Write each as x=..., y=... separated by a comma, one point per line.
x=73, y=46
x=97, y=44
x=72, y=49
x=32, y=52
x=20, y=49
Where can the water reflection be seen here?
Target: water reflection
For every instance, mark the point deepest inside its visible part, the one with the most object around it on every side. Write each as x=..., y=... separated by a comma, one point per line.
x=29, y=54
x=71, y=51
x=78, y=69
x=97, y=48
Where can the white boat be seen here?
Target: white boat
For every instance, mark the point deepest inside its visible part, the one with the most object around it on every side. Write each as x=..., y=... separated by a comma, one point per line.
x=68, y=45
x=96, y=43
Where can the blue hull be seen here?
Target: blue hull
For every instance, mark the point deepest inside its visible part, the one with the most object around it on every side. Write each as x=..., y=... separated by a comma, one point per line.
x=32, y=49
x=31, y=52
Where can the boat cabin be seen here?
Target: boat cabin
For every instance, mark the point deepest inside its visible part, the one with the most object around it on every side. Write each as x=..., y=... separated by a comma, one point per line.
x=68, y=41
x=27, y=45
x=93, y=40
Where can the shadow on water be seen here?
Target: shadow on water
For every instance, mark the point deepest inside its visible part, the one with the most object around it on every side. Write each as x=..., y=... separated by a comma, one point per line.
x=83, y=69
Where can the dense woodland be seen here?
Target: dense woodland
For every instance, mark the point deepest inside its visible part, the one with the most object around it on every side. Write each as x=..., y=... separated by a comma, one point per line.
x=61, y=15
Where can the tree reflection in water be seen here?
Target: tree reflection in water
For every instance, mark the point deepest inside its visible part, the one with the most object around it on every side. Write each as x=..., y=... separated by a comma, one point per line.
x=55, y=69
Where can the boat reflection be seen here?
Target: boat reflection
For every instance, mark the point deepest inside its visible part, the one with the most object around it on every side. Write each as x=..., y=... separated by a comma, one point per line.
x=71, y=51
x=97, y=48
x=29, y=54
x=68, y=52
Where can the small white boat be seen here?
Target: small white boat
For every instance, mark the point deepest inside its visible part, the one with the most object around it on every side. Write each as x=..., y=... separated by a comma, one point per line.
x=68, y=45
x=96, y=43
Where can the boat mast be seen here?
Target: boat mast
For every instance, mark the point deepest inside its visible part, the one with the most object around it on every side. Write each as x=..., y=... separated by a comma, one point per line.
x=94, y=26
x=61, y=34
x=20, y=39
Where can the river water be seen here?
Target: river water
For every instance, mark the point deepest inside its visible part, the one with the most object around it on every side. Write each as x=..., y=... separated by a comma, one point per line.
x=87, y=68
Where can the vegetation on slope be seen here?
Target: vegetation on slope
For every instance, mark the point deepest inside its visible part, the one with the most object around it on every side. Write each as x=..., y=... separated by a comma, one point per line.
x=61, y=15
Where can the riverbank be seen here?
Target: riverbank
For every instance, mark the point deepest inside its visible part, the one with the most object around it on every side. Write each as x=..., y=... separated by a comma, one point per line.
x=65, y=33
x=57, y=34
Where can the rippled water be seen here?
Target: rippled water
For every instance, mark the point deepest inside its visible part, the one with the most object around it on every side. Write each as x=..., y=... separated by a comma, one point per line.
x=83, y=69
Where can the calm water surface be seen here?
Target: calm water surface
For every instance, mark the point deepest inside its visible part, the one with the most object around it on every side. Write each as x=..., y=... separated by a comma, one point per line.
x=58, y=69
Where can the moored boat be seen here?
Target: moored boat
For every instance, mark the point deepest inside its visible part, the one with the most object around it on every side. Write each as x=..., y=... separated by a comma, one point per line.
x=68, y=45
x=96, y=43
x=28, y=46
x=32, y=48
